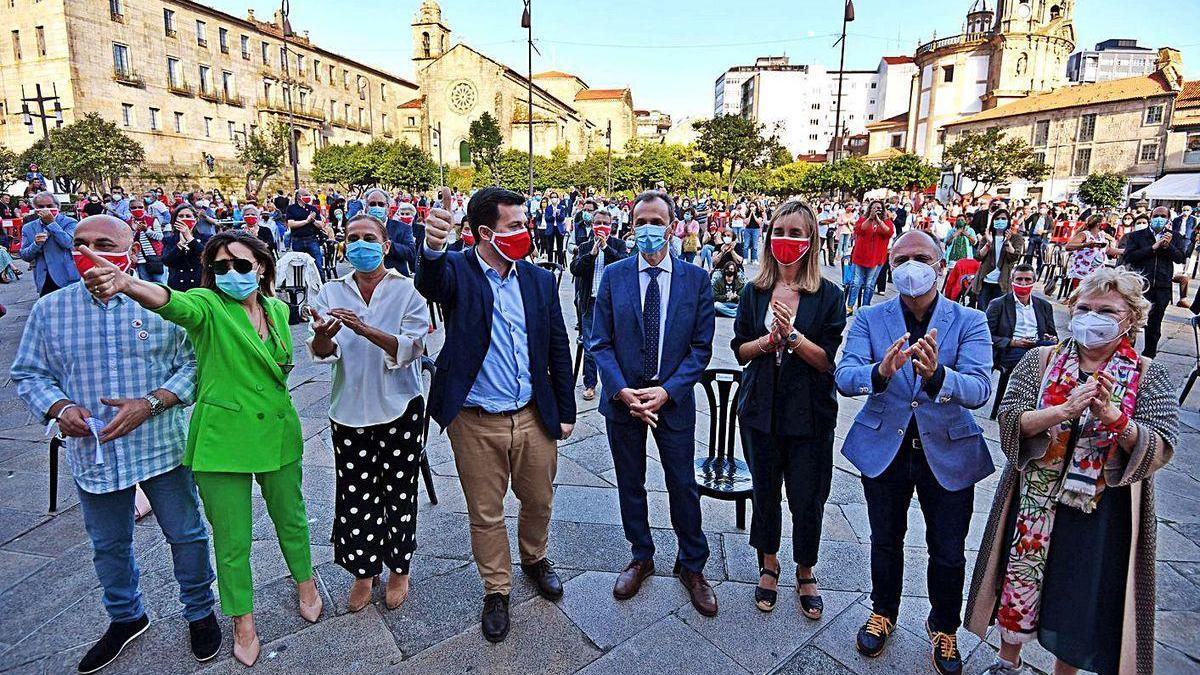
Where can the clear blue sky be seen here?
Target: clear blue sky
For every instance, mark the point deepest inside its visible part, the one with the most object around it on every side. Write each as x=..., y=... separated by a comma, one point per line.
x=670, y=52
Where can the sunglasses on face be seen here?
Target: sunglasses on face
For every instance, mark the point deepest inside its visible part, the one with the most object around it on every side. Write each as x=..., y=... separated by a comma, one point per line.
x=239, y=265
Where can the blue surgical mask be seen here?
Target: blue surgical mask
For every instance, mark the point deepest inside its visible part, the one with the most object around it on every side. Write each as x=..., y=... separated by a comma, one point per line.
x=587, y=216
x=377, y=211
x=364, y=256
x=236, y=285
x=1000, y=225
x=650, y=238
x=1157, y=223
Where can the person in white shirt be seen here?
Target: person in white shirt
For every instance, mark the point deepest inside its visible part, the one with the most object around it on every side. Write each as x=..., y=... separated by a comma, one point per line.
x=371, y=325
x=1019, y=320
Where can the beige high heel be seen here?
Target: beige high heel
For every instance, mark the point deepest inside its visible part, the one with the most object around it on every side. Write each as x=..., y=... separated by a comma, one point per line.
x=311, y=612
x=396, y=595
x=247, y=654
x=360, y=594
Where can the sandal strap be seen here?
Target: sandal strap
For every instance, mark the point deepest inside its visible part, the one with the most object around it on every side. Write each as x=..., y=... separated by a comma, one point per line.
x=774, y=574
x=806, y=580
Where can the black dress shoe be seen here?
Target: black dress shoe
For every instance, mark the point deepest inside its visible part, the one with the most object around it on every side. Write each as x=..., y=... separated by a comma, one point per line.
x=206, y=637
x=495, y=617
x=109, y=647
x=873, y=636
x=543, y=574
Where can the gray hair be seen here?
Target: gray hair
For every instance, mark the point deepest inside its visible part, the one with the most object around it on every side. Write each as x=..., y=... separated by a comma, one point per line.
x=43, y=195
x=367, y=195
x=363, y=215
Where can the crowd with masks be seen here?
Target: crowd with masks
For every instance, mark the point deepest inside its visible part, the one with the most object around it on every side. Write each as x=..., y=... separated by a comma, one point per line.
x=180, y=291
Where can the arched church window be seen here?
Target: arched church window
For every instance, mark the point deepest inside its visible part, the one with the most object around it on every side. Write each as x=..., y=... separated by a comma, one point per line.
x=1055, y=12
x=425, y=43
x=464, y=154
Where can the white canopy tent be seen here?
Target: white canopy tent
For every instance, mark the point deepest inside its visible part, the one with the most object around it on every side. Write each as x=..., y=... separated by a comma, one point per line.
x=1172, y=187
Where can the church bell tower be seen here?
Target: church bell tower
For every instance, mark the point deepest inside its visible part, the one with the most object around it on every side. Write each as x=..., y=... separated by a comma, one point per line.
x=1029, y=49
x=431, y=37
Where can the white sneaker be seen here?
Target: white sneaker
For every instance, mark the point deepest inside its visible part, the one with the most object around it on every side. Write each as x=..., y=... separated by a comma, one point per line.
x=1002, y=667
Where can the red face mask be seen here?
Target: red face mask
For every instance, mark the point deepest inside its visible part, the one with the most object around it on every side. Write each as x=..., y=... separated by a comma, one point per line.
x=602, y=230
x=406, y=219
x=250, y=220
x=789, y=250
x=1022, y=291
x=306, y=200
x=513, y=246
x=468, y=237
x=137, y=214
x=84, y=263
x=189, y=223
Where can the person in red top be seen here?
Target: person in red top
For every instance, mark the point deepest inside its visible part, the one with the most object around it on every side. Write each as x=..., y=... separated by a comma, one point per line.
x=872, y=233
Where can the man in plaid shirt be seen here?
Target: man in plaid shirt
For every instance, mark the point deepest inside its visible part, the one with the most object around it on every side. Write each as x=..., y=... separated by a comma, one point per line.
x=115, y=377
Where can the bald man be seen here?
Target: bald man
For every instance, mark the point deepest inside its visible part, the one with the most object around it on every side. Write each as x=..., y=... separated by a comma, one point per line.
x=114, y=378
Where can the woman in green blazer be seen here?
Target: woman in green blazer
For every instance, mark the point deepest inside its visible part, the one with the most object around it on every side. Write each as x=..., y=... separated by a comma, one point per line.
x=244, y=426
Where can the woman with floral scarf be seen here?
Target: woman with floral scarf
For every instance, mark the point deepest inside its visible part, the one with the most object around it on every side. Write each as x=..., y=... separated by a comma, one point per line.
x=1068, y=554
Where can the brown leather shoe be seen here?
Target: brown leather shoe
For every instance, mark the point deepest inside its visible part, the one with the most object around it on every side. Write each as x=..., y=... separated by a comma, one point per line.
x=631, y=579
x=703, y=598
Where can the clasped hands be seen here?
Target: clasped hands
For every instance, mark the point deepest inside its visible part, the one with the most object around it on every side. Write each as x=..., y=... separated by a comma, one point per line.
x=1094, y=395
x=643, y=404
x=923, y=353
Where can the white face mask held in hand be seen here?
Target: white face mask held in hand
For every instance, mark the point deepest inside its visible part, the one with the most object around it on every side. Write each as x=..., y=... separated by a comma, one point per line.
x=914, y=278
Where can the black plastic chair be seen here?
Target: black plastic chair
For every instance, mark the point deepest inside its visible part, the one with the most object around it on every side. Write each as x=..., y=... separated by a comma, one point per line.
x=721, y=475
x=435, y=310
x=55, y=444
x=578, y=361
x=555, y=269
x=427, y=366
x=1001, y=386
x=1187, y=388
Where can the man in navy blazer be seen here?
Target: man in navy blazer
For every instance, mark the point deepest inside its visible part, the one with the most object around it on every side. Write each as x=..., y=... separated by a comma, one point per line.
x=503, y=389
x=924, y=362
x=652, y=340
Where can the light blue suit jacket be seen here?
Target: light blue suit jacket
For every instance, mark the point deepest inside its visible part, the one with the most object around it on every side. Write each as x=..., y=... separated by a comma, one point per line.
x=952, y=439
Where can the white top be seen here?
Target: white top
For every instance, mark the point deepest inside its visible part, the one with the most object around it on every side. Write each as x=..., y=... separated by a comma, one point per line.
x=664, y=292
x=1026, y=320
x=370, y=386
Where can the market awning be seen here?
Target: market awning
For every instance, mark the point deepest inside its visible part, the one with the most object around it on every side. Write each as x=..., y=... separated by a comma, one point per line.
x=1172, y=186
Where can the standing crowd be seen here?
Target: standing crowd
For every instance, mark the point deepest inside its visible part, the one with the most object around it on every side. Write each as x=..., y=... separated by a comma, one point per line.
x=152, y=304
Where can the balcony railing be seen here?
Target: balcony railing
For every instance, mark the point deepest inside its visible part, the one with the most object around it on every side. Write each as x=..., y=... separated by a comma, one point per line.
x=962, y=39
x=128, y=77
x=209, y=95
x=181, y=89
x=233, y=100
x=172, y=33
x=203, y=42
x=302, y=112
x=224, y=49
x=117, y=16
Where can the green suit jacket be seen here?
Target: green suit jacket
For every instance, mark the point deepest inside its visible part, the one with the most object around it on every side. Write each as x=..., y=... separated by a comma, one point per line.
x=244, y=420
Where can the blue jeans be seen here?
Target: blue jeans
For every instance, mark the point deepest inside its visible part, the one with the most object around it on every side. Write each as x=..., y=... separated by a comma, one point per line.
x=143, y=273
x=590, y=377
x=750, y=244
x=311, y=246
x=108, y=519
x=728, y=309
x=863, y=281
x=706, y=252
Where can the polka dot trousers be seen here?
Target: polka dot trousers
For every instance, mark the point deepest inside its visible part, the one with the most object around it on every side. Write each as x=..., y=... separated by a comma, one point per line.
x=375, y=512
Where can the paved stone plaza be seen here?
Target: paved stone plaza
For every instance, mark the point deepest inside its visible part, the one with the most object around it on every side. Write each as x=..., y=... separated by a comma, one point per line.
x=50, y=609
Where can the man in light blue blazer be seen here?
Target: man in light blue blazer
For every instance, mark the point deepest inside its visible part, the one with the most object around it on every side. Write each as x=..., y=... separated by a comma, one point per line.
x=924, y=362
x=652, y=339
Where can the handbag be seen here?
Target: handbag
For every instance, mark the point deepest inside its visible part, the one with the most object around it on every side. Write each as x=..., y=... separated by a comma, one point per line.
x=154, y=261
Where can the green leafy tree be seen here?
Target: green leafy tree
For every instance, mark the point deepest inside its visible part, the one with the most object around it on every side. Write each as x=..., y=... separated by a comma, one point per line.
x=484, y=139
x=790, y=179
x=263, y=153
x=512, y=171
x=851, y=176
x=989, y=159
x=906, y=172
x=346, y=166
x=90, y=151
x=10, y=168
x=731, y=144
x=405, y=166
x=1103, y=190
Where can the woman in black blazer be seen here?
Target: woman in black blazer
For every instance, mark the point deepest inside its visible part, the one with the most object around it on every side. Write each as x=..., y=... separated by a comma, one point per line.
x=787, y=331
x=182, y=246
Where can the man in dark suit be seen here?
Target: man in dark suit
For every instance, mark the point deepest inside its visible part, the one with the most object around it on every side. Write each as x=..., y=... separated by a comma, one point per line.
x=593, y=254
x=981, y=219
x=502, y=389
x=1019, y=320
x=652, y=339
x=1153, y=252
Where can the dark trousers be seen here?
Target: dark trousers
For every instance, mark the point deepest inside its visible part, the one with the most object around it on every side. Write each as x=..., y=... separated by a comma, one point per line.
x=805, y=467
x=311, y=246
x=1033, y=249
x=49, y=286
x=676, y=450
x=590, y=377
x=988, y=292
x=947, y=518
x=1160, y=299
x=1010, y=357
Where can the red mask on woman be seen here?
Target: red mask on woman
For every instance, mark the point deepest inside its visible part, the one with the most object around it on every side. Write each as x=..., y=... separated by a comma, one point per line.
x=84, y=263
x=189, y=223
x=1022, y=291
x=137, y=214
x=250, y=220
x=513, y=246
x=789, y=250
x=468, y=237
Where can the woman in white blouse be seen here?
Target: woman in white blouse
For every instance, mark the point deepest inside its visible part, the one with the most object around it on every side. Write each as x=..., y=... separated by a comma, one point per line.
x=371, y=325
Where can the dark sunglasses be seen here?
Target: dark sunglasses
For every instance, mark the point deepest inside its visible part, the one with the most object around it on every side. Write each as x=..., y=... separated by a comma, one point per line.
x=240, y=265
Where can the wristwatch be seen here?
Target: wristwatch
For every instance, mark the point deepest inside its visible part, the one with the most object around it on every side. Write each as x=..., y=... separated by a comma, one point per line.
x=793, y=337
x=156, y=405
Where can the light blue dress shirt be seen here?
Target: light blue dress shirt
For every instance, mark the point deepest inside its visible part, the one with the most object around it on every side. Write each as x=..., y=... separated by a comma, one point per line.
x=504, y=383
x=597, y=272
x=664, y=292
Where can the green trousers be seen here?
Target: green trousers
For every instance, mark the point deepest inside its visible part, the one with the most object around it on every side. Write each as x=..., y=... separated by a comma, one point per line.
x=226, y=498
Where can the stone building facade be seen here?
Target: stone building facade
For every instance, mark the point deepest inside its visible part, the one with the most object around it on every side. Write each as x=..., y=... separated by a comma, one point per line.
x=1113, y=126
x=188, y=81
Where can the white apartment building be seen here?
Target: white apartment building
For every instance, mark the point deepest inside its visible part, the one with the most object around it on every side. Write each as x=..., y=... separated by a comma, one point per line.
x=1111, y=60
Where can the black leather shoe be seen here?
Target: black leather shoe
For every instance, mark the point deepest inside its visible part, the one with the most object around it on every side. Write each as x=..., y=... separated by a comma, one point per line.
x=109, y=647
x=495, y=617
x=873, y=636
x=206, y=637
x=543, y=574
x=946, y=659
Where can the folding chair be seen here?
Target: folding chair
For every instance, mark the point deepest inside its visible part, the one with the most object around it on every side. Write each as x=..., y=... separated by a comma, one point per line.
x=1187, y=388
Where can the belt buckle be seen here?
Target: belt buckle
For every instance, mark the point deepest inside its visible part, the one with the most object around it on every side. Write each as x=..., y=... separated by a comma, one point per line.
x=916, y=443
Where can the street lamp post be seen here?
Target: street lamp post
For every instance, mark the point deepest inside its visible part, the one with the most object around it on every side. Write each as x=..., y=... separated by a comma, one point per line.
x=608, y=139
x=27, y=116
x=293, y=146
x=441, y=164
x=847, y=17
x=527, y=23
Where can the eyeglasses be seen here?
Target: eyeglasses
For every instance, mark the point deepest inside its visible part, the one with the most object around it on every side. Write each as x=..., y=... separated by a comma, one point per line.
x=240, y=265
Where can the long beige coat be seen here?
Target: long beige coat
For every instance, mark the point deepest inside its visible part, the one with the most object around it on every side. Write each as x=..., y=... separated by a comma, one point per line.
x=1156, y=409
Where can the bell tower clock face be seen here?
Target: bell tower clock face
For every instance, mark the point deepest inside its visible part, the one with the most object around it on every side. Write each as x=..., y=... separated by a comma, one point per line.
x=463, y=97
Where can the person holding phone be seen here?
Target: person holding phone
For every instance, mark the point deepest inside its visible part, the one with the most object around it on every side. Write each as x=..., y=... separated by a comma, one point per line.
x=47, y=241
x=872, y=233
x=245, y=428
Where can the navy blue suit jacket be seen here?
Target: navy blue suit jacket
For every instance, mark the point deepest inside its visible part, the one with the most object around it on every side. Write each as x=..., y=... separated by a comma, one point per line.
x=686, y=343
x=402, y=256
x=457, y=283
